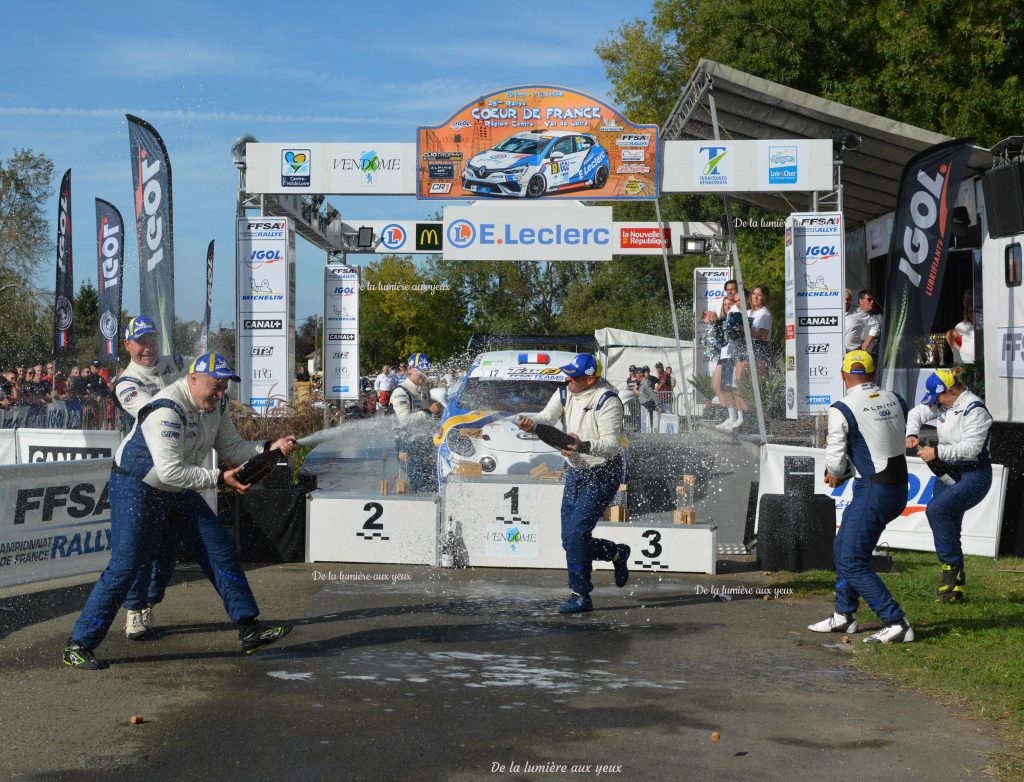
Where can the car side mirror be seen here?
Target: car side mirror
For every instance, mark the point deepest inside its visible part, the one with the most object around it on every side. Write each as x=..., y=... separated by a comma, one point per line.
x=556, y=155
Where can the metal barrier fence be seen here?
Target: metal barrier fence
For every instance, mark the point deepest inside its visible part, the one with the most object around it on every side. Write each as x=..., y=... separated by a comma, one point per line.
x=61, y=414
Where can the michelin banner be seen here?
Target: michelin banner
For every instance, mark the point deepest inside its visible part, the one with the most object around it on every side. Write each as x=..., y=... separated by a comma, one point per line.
x=814, y=311
x=110, y=257
x=151, y=178
x=982, y=523
x=341, y=332
x=266, y=311
x=54, y=520
x=537, y=141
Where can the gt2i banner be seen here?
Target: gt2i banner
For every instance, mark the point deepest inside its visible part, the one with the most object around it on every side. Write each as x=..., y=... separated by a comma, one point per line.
x=151, y=178
x=64, y=295
x=814, y=311
x=918, y=247
x=708, y=294
x=265, y=311
x=555, y=233
x=537, y=141
x=341, y=332
x=110, y=257
x=54, y=520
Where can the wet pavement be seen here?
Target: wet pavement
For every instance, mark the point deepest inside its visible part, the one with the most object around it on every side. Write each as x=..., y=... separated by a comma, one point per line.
x=417, y=673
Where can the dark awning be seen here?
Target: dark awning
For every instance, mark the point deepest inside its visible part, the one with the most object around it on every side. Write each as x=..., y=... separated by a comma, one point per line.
x=749, y=107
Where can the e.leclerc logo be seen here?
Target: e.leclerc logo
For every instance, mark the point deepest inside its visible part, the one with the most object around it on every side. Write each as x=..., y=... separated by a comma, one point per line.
x=393, y=236
x=462, y=233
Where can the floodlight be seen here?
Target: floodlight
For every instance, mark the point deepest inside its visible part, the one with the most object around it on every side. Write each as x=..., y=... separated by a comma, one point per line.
x=365, y=239
x=238, y=149
x=694, y=245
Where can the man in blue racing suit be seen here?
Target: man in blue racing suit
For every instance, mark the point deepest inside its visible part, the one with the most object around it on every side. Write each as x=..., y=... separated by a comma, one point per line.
x=156, y=474
x=866, y=441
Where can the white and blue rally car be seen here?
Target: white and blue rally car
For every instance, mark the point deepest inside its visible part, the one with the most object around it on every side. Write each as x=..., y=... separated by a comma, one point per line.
x=479, y=423
x=536, y=162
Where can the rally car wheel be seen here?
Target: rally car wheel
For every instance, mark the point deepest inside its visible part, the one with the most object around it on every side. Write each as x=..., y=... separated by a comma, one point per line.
x=537, y=187
x=600, y=178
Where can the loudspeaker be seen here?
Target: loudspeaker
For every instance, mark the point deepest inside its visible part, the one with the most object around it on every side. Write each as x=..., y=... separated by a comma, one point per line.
x=1004, y=199
x=798, y=476
x=796, y=533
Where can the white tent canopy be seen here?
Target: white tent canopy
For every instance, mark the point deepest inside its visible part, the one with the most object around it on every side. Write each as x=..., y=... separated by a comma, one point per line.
x=619, y=349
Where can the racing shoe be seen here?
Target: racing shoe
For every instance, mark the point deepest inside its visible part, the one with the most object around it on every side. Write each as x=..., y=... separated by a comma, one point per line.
x=256, y=636
x=951, y=588
x=149, y=617
x=576, y=604
x=134, y=627
x=897, y=633
x=77, y=656
x=621, y=564
x=837, y=623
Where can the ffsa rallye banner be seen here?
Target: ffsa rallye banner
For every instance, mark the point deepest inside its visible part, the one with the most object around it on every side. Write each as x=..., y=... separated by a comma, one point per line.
x=537, y=141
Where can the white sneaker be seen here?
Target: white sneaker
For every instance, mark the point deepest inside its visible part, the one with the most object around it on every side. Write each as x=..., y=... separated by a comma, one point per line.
x=837, y=623
x=148, y=617
x=899, y=633
x=735, y=424
x=725, y=426
x=134, y=627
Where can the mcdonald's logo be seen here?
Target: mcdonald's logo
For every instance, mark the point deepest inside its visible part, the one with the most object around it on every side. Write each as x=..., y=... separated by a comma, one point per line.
x=428, y=237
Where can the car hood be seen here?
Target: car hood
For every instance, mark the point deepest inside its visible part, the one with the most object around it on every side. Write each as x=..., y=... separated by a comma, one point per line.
x=494, y=159
x=495, y=431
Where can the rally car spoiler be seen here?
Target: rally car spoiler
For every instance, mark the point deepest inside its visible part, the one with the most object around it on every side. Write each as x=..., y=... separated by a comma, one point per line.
x=578, y=343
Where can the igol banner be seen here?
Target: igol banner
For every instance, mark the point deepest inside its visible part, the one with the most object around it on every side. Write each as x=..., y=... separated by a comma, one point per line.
x=204, y=339
x=110, y=255
x=921, y=233
x=63, y=311
x=151, y=178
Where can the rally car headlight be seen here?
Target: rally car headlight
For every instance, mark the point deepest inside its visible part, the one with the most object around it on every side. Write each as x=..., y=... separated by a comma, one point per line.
x=459, y=443
x=517, y=171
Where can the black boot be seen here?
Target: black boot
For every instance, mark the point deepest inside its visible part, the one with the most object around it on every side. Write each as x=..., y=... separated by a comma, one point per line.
x=951, y=588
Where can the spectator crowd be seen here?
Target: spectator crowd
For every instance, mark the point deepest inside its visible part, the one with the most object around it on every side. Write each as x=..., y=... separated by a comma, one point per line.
x=40, y=396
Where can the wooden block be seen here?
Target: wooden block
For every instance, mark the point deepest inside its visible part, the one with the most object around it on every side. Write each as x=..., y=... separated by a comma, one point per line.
x=384, y=488
x=619, y=514
x=684, y=516
x=551, y=475
x=403, y=456
x=469, y=469
x=607, y=515
x=681, y=490
x=690, y=480
x=472, y=432
x=539, y=470
x=623, y=487
x=401, y=487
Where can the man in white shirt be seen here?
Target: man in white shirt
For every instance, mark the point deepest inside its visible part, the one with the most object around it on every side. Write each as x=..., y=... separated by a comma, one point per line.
x=592, y=412
x=862, y=327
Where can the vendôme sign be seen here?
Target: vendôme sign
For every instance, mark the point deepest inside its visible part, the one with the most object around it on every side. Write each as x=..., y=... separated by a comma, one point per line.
x=537, y=141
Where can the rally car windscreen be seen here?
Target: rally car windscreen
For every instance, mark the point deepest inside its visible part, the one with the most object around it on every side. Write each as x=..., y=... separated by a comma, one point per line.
x=507, y=396
x=522, y=146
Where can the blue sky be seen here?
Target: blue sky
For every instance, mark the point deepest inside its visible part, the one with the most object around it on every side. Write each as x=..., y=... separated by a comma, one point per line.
x=205, y=73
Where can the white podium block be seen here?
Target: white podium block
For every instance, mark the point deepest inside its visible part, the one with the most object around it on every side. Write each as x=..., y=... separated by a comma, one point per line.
x=345, y=527
x=506, y=523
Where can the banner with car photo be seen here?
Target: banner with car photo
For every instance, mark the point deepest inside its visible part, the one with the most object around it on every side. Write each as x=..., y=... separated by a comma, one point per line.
x=537, y=141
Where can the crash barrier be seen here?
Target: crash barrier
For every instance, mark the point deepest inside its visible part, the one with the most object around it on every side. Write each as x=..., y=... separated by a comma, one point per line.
x=799, y=525
x=60, y=414
x=54, y=520
x=981, y=525
x=268, y=522
x=30, y=446
x=505, y=521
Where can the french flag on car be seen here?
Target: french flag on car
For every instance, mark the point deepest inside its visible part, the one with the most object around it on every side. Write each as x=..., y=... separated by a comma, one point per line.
x=533, y=358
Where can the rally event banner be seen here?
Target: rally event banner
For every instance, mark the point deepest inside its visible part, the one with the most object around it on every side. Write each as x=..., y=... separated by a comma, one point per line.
x=537, y=141
x=922, y=231
x=151, y=178
x=708, y=293
x=110, y=257
x=64, y=295
x=341, y=332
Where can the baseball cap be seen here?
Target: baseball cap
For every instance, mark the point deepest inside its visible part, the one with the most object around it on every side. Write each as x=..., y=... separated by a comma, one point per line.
x=861, y=357
x=137, y=327
x=940, y=380
x=582, y=365
x=96, y=363
x=216, y=365
x=419, y=361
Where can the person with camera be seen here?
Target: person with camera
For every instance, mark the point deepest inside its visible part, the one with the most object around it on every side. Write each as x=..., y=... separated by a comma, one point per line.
x=961, y=463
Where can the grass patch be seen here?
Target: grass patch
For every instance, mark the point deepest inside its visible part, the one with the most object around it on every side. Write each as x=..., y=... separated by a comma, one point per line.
x=970, y=655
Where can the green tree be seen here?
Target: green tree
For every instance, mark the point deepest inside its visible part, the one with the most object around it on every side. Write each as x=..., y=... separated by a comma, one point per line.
x=308, y=338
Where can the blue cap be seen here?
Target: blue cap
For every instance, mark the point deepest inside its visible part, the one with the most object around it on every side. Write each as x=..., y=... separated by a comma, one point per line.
x=419, y=361
x=583, y=365
x=216, y=365
x=939, y=381
x=138, y=327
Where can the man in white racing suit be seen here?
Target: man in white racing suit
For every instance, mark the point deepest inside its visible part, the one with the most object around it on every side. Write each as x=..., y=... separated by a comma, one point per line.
x=592, y=412
x=415, y=418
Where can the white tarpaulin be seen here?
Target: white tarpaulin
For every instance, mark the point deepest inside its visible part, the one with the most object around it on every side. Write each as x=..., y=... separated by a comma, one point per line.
x=619, y=349
x=54, y=520
x=65, y=445
x=982, y=523
x=8, y=446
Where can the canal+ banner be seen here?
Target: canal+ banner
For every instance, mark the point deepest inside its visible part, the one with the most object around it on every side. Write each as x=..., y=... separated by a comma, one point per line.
x=527, y=233
x=54, y=520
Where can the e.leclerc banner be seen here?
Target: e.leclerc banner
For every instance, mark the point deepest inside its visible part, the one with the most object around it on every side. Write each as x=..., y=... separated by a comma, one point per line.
x=110, y=257
x=537, y=141
x=151, y=178
x=64, y=294
x=917, y=257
